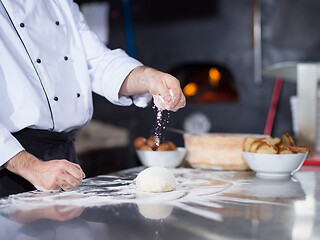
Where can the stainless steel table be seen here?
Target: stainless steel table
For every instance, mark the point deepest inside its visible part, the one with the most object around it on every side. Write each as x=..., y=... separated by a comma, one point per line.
x=205, y=205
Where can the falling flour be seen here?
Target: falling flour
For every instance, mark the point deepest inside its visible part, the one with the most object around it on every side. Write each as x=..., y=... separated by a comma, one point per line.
x=162, y=119
x=196, y=191
x=160, y=106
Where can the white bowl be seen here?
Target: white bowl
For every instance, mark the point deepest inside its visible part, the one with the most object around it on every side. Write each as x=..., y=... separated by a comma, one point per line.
x=169, y=159
x=274, y=165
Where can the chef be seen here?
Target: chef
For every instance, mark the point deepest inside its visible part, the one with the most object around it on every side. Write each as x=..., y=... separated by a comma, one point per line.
x=50, y=63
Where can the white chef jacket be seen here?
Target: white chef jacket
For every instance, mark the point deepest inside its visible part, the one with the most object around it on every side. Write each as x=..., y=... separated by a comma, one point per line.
x=50, y=62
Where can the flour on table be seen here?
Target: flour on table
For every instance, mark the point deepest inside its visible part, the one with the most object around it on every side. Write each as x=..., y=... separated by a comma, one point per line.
x=196, y=191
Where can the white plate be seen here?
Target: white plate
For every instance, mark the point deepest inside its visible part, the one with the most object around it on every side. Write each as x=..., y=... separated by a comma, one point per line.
x=274, y=165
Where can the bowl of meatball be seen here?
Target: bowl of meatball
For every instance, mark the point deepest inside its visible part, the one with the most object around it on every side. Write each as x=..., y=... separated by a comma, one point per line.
x=152, y=152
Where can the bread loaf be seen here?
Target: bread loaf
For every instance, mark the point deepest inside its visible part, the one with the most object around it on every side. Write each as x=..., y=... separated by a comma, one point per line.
x=216, y=151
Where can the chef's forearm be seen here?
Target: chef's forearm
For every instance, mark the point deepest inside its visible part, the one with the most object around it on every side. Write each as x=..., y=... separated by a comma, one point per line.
x=22, y=164
x=136, y=82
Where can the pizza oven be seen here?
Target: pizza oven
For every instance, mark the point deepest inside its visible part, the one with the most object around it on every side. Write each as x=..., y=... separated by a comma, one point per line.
x=206, y=82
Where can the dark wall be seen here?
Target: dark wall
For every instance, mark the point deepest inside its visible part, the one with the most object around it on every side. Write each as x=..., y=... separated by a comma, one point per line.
x=291, y=31
x=218, y=32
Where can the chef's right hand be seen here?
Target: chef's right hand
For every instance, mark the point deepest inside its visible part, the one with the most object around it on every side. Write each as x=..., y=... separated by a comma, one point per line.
x=49, y=175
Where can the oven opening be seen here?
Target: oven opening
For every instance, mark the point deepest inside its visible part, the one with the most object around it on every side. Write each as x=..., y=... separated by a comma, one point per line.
x=206, y=83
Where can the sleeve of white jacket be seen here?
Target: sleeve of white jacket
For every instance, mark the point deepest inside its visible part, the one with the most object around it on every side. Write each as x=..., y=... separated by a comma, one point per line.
x=9, y=145
x=107, y=68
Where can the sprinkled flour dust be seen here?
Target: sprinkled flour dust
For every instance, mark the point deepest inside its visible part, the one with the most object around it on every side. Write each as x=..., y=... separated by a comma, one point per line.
x=162, y=120
x=196, y=191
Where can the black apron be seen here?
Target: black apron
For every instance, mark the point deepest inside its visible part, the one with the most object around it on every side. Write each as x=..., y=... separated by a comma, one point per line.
x=45, y=145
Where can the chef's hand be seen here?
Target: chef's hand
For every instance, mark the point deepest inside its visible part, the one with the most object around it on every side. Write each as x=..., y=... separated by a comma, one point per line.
x=164, y=87
x=49, y=175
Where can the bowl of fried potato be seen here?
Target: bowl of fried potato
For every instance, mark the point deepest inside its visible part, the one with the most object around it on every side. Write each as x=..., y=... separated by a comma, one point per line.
x=151, y=152
x=273, y=157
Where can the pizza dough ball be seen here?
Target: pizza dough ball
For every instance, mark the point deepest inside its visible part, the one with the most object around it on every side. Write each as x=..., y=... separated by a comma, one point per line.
x=156, y=179
x=153, y=142
x=139, y=142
